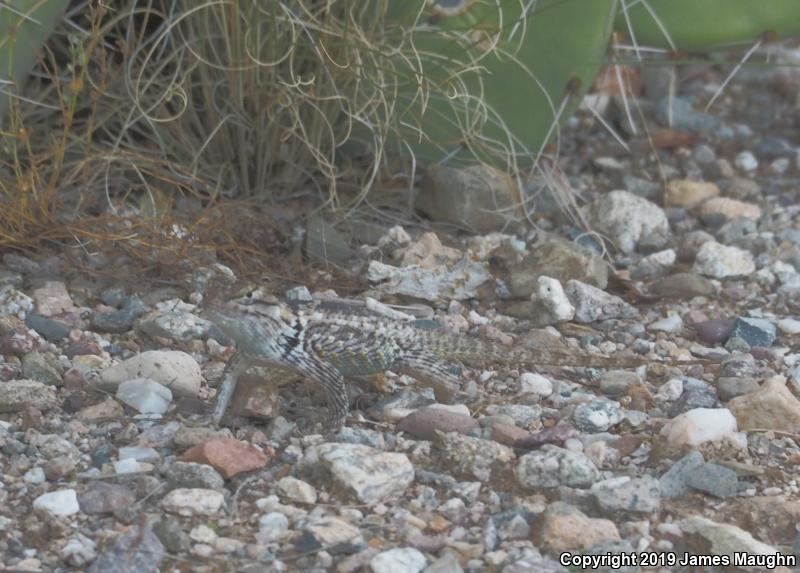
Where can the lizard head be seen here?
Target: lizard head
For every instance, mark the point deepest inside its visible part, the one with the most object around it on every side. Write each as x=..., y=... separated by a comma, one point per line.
x=255, y=320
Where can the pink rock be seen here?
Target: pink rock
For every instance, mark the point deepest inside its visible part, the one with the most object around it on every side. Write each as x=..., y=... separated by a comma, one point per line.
x=227, y=455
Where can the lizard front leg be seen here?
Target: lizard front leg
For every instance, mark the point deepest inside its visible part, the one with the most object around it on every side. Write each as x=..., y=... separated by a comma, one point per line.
x=432, y=371
x=332, y=383
x=236, y=366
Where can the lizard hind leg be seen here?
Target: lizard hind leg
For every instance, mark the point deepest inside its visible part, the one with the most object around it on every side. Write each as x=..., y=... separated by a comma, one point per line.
x=333, y=384
x=444, y=377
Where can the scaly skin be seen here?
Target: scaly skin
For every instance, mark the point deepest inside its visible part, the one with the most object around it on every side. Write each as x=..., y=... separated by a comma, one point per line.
x=328, y=341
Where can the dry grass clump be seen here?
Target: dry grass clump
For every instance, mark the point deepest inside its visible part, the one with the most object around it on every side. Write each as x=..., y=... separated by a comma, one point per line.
x=135, y=105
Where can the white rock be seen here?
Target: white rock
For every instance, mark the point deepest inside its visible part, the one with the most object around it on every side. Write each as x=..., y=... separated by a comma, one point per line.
x=272, y=526
x=367, y=473
x=532, y=383
x=459, y=282
x=145, y=395
x=550, y=292
x=59, y=503
x=203, y=534
x=593, y=304
x=719, y=261
x=672, y=323
x=789, y=325
x=79, y=551
x=627, y=219
x=398, y=560
x=699, y=426
x=34, y=475
x=171, y=368
x=126, y=466
x=746, y=161
x=330, y=531
x=52, y=299
x=193, y=501
x=293, y=489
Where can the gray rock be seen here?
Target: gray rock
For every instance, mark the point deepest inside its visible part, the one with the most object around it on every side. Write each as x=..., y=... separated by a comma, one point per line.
x=473, y=458
x=176, y=325
x=119, y=321
x=673, y=482
x=103, y=497
x=398, y=560
x=713, y=479
x=171, y=534
x=592, y=304
x=139, y=550
x=598, y=415
x=755, y=331
x=425, y=422
x=522, y=415
x=478, y=197
x=36, y=366
x=50, y=329
x=720, y=261
x=696, y=394
x=552, y=466
x=193, y=475
x=627, y=495
x=617, y=382
x=729, y=387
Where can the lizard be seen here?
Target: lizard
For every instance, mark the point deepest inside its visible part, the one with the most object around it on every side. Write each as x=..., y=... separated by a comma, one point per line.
x=327, y=341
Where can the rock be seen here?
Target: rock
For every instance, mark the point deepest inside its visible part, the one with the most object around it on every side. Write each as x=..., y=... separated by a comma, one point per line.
x=105, y=498
x=617, y=382
x=425, y=422
x=137, y=550
x=59, y=503
x=709, y=537
x=628, y=220
x=682, y=285
x=597, y=415
x=688, y=193
x=271, y=527
x=552, y=466
x=14, y=302
x=703, y=154
x=718, y=261
x=447, y=563
x=690, y=244
x=789, y=326
x=478, y=197
x=296, y=490
x=566, y=528
x=755, y=331
x=176, y=325
x=458, y=282
x=521, y=414
x=738, y=364
x=715, y=331
x=746, y=161
x=627, y=495
x=144, y=395
x=654, y=265
x=52, y=299
x=332, y=531
x=398, y=560
x=717, y=211
x=35, y=366
x=119, y=321
x=79, y=551
x=773, y=407
x=671, y=324
x=193, y=501
x=367, y=474
x=51, y=330
x=695, y=394
x=551, y=297
x=699, y=426
x=172, y=368
x=193, y=475
x=428, y=253
x=108, y=409
x=227, y=455
x=558, y=259
x=532, y=383
x=473, y=458
x=713, y=479
x=16, y=395
x=673, y=483
x=729, y=387
x=592, y=304
x=741, y=232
